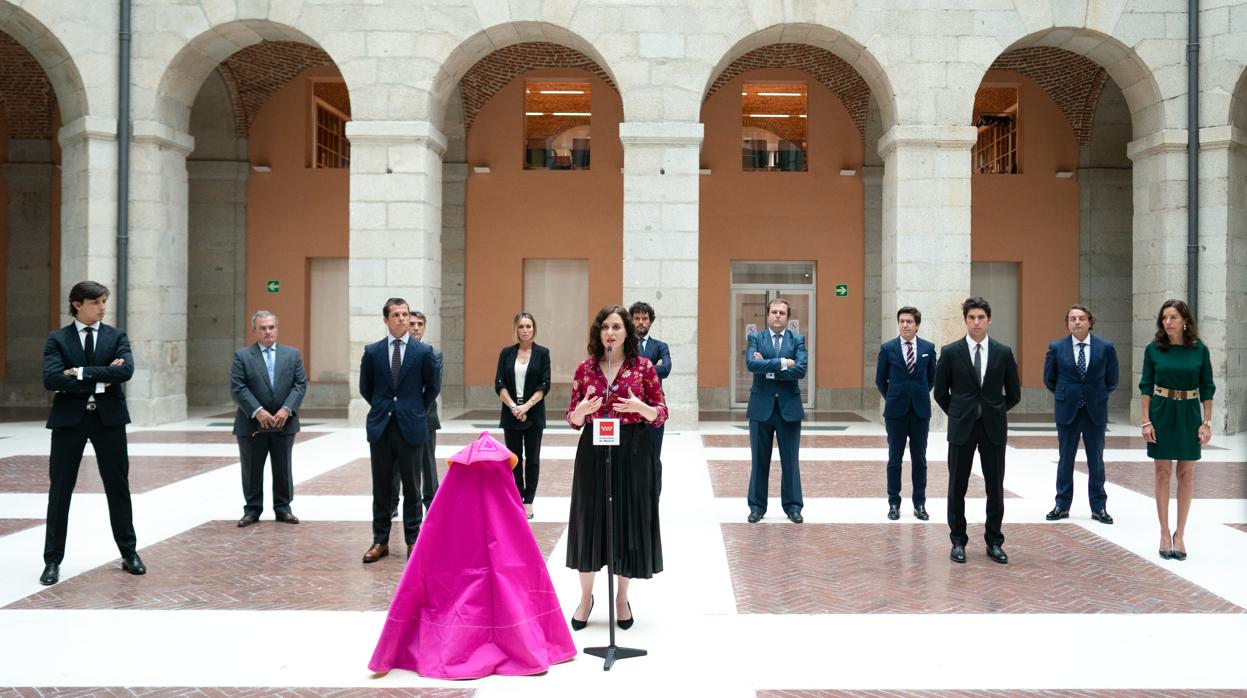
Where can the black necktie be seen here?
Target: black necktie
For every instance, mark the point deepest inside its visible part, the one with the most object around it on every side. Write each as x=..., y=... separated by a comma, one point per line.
x=88, y=347
x=978, y=363
x=396, y=361
x=1082, y=371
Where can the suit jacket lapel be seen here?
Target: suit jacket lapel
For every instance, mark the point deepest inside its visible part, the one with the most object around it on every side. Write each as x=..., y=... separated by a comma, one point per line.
x=74, y=345
x=409, y=357
x=257, y=358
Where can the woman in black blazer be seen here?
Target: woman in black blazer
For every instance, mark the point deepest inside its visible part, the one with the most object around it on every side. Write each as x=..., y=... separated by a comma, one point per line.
x=523, y=416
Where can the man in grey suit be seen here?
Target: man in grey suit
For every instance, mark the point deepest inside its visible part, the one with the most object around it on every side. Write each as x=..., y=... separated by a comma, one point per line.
x=268, y=384
x=428, y=466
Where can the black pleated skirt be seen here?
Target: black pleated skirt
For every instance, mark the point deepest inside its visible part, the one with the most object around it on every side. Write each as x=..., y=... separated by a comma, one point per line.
x=638, y=543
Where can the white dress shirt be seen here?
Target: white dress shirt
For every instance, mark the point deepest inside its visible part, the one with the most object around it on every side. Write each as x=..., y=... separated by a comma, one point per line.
x=389, y=348
x=82, y=339
x=521, y=374
x=1074, y=345
x=782, y=366
x=972, y=344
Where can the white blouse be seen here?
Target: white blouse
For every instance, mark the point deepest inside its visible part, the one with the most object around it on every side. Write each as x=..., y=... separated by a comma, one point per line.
x=521, y=372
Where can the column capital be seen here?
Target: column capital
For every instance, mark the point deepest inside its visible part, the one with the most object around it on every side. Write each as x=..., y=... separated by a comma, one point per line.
x=661, y=133
x=163, y=136
x=396, y=133
x=87, y=128
x=1164, y=140
x=1226, y=136
x=914, y=136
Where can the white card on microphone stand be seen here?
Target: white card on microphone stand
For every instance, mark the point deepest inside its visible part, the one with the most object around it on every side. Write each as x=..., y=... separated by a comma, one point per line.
x=606, y=432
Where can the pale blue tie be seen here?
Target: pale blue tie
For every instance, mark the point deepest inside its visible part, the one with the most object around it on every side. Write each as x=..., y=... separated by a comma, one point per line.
x=268, y=362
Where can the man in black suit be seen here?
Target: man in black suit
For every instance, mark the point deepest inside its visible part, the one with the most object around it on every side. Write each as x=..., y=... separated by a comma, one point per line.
x=904, y=375
x=428, y=465
x=1081, y=371
x=398, y=379
x=659, y=354
x=268, y=383
x=777, y=358
x=85, y=363
x=976, y=384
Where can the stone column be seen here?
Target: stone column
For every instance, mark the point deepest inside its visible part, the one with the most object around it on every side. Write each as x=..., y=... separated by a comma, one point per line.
x=454, y=210
x=1159, y=238
x=396, y=229
x=880, y=322
x=1105, y=264
x=660, y=245
x=88, y=205
x=157, y=269
x=216, y=277
x=29, y=175
x=1223, y=270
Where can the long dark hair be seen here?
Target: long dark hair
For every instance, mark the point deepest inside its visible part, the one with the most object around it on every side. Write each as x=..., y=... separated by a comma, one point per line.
x=596, y=349
x=1189, y=336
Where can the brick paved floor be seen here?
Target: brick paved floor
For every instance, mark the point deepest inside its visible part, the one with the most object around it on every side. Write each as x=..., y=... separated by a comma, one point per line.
x=1036, y=441
x=269, y=566
x=881, y=568
x=1212, y=480
x=8, y=526
x=1009, y=693
x=235, y=692
x=355, y=478
x=201, y=437
x=1239, y=526
x=839, y=478
x=30, y=473
x=807, y=441
x=547, y=439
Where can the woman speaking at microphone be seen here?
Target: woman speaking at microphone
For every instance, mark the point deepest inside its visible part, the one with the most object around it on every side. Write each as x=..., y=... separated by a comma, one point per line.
x=635, y=398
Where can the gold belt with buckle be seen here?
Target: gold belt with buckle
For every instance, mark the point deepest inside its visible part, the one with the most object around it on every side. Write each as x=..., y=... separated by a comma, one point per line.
x=1176, y=394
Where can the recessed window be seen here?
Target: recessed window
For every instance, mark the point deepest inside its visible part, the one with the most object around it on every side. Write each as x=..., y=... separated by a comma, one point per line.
x=331, y=109
x=773, y=116
x=996, y=117
x=556, y=125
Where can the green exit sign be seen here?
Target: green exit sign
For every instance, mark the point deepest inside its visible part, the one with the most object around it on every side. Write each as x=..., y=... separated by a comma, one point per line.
x=842, y=290
x=273, y=286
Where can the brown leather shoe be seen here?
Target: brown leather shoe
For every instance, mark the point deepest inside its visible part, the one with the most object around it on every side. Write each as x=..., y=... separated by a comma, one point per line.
x=410, y=549
x=376, y=552
x=246, y=521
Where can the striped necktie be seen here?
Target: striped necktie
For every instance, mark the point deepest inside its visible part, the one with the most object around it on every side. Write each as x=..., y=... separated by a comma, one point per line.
x=909, y=356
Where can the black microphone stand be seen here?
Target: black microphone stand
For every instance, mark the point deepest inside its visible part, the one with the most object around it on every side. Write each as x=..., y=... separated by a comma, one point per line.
x=612, y=651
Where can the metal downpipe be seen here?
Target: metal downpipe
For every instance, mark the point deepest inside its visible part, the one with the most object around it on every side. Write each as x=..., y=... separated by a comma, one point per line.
x=123, y=163
x=1192, y=158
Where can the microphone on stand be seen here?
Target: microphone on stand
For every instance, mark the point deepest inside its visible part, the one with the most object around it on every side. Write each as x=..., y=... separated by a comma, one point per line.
x=610, y=348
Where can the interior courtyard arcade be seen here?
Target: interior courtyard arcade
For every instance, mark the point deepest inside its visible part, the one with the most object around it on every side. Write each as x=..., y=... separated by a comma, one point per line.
x=316, y=162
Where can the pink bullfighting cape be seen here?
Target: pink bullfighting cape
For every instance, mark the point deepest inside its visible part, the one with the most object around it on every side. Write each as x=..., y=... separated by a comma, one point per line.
x=475, y=598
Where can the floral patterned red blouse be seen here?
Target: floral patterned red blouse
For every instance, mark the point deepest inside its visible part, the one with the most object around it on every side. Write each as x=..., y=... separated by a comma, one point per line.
x=636, y=374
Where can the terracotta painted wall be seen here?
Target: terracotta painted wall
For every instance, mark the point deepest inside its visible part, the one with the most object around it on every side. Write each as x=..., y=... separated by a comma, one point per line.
x=796, y=216
x=294, y=212
x=1032, y=218
x=513, y=214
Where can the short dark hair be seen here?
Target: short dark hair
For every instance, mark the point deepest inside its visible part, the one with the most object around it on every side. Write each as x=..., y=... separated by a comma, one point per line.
x=385, y=309
x=1189, y=336
x=910, y=310
x=596, y=349
x=1085, y=309
x=85, y=291
x=975, y=303
x=642, y=307
x=787, y=305
x=417, y=313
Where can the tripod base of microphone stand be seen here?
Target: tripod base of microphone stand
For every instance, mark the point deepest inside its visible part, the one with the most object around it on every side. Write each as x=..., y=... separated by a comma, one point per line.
x=612, y=652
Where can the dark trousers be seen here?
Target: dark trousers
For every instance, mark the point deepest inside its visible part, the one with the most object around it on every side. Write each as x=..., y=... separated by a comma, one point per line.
x=1093, y=441
x=392, y=453
x=992, y=460
x=428, y=476
x=656, y=440
x=113, y=458
x=253, y=451
x=913, y=428
x=525, y=443
x=788, y=434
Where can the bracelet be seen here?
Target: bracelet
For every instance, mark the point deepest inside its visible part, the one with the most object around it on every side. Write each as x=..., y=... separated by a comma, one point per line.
x=1207, y=423
x=1145, y=425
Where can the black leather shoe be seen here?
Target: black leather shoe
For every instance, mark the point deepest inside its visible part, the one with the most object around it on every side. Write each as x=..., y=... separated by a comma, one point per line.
x=894, y=512
x=625, y=624
x=920, y=513
x=1102, y=516
x=287, y=517
x=1057, y=513
x=997, y=553
x=795, y=517
x=958, y=553
x=1166, y=554
x=754, y=517
x=581, y=624
x=132, y=564
x=246, y=520
x=51, y=574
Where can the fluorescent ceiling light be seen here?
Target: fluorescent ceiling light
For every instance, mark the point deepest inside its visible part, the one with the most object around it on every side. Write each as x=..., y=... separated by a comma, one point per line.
x=573, y=113
x=801, y=115
x=768, y=116
x=780, y=94
x=562, y=92
x=534, y=113
x=742, y=94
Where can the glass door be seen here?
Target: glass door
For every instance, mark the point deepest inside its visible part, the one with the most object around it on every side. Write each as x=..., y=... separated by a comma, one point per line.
x=754, y=285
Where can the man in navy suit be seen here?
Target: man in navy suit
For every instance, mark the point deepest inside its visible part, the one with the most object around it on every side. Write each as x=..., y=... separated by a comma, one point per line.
x=659, y=354
x=398, y=378
x=777, y=359
x=1081, y=371
x=904, y=376
x=85, y=364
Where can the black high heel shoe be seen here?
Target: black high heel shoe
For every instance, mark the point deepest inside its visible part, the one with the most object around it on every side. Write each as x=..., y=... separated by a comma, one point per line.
x=625, y=624
x=580, y=624
x=1175, y=553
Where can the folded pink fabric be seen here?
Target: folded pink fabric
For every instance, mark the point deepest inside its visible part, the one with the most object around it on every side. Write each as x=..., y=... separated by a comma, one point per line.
x=475, y=598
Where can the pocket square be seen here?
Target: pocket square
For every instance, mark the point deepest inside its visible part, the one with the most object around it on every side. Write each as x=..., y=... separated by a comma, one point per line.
x=925, y=355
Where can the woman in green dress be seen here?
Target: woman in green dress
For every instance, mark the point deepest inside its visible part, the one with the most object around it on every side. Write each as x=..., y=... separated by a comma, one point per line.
x=1177, y=377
